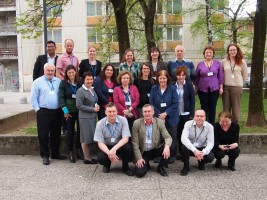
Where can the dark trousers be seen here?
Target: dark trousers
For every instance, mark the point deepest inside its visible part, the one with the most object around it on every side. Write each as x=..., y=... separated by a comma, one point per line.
x=173, y=133
x=124, y=152
x=64, y=123
x=149, y=155
x=208, y=101
x=101, y=114
x=186, y=153
x=70, y=128
x=49, y=130
x=180, y=127
x=232, y=154
x=130, y=122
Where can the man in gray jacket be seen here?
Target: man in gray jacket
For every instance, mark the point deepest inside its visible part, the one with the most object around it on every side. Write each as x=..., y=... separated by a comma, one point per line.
x=198, y=141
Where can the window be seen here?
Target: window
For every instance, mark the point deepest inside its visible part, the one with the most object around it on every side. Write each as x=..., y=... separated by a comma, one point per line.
x=174, y=33
x=55, y=35
x=93, y=35
x=53, y=11
x=159, y=7
x=158, y=33
x=174, y=6
x=112, y=34
x=94, y=8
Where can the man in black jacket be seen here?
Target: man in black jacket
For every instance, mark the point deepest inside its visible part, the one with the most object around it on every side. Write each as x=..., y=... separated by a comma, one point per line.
x=51, y=57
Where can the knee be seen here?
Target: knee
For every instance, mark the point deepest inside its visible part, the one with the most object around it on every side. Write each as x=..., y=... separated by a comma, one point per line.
x=102, y=157
x=209, y=158
x=127, y=148
x=140, y=172
x=234, y=153
x=219, y=154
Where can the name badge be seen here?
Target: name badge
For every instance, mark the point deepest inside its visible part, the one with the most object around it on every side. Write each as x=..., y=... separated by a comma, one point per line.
x=148, y=141
x=210, y=73
x=127, y=103
x=112, y=140
x=51, y=92
x=148, y=94
x=73, y=96
x=233, y=76
x=163, y=105
x=154, y=77
x=110, y=90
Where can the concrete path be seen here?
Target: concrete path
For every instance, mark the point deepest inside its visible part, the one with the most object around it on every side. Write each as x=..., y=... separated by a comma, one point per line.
x=25, y=177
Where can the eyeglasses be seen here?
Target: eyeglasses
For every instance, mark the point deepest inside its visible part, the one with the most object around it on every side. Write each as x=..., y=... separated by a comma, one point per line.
x=50, y=47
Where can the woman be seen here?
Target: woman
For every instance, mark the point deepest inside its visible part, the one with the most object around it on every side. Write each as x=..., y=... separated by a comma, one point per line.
x=144, y=84
x=126, y=97
x=164, y=99
x=67, y=101
x=91, y=64
x=104, y=86
x=156, y=62
x=186, y=99
x=226, y=136
x=129, y=63
x=86, y=102
x=209, y=83
x=235, y=74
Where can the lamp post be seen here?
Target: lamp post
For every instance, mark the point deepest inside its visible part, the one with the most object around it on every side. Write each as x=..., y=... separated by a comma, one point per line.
x=45, y=25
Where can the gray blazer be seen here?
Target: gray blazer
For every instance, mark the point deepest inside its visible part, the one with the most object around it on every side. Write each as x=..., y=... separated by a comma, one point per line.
x=85, y=102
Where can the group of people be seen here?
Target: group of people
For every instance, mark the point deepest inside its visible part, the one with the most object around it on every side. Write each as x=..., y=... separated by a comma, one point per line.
x=145, y=112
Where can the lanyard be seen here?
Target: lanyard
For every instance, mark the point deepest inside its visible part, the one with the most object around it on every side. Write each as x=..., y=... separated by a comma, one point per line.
x=93, y=69
x=112, y=133
x=93, y=94
x=149, y=132
x=232, y=67
x=209, y=67
x=199, y=133
x=48, y=83
x=127, y=96
x=74, y=88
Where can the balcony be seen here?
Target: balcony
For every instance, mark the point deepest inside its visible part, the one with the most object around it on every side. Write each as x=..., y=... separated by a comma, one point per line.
x=8, y=54
x=6, y=30
x=8, y=5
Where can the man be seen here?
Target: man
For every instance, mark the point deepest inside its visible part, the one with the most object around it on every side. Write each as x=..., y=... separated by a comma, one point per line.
x=44, y=98
x=66, y=59
x=146, y=141
x=180, y=61
x=51, y=57
x=197, y=140
x=112, y=135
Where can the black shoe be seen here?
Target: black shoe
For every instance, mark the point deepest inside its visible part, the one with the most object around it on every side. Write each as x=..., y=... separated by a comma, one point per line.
x=162, y=171
x=64, y=132
x=171, y=160
x=71, y=157
x=128, y=171
x=92, y=161
x=157, y=159
x=201, y=166
x=184, y=171
x=232, y=168
x=218, y=163
x=106, y=169
x=80, y=154
x=59, y=157
x=46, y=161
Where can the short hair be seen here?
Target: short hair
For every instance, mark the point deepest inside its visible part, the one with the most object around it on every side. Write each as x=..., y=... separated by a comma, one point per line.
x=225, y=114
x=164, y=73
x=181, y=69
x=50, y=42
x=179, y=46
x=49, y=64
x=114, y=75
x=126, y=51
x=70, y=67
x=210, y=48
x=153, y=49
x=121, y=74
x=86, y=74
x=200, y=109
x=110, y=105
x=148, y=105
x=91, y=46
x=239, y=55
x=67, y=40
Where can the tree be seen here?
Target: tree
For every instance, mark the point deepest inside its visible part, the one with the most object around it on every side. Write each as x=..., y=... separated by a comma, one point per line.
x=208, y=21
x=256, y=111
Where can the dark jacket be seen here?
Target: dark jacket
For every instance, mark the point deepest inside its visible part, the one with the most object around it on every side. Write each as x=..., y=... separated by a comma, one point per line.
x=85, y=66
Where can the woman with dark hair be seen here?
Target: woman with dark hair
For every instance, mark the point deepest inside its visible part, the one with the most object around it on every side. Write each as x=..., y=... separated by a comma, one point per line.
x=164, y=99
x=104, y=86
x=144, y=83
x=129, y=64
x=126, y=97
x=155, y=60
x=235, y=74
x=67, y=101
x=209, y=83
x=86, y=102
x=186, y=99
x=91, y=64
x=226, y=136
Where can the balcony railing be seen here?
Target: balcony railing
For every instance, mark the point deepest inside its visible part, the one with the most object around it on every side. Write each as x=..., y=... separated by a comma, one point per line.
x=8, y=52
x=7, y=3
x=7, y=29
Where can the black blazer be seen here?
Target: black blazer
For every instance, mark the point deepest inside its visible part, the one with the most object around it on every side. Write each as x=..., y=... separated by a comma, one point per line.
x=85, y=67
x=38, y=69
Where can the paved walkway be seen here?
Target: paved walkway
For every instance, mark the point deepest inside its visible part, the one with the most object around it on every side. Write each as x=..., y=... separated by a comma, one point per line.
x=25, y=177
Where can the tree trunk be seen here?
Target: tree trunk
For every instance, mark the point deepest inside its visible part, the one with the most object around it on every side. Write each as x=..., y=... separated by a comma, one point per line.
x=149, y=10
x=208, y=21
x=256, y=111
x=122, y=25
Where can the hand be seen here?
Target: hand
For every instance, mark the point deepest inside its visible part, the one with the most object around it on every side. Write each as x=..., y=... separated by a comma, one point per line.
x=126, y=112
x=96, y=108
x=162, y=116
x=198, y=154
x=67, y=116
x=233, y=146
x=196, y=89
x=223, y=147
x=112, y=156
x=140, y=163
x=221, y=91
x=166, y=152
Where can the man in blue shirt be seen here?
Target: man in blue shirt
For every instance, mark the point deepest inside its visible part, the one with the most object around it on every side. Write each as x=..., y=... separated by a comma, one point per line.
x=180, y=61
x=44, y=98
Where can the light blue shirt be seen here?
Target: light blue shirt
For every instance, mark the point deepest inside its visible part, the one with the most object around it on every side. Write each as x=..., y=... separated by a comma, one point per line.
x=44, y=94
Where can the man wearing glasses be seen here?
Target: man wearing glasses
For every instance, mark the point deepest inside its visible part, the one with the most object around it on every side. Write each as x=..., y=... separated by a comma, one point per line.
x=51, y=57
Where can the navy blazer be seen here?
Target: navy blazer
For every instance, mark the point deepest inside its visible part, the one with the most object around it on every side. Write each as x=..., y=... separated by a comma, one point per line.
x=170, y=97
x=38, y=69
x=189, y=98
x=85, y=66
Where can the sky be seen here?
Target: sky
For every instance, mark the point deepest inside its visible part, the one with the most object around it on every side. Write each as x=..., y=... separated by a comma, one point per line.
x=250, y=6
